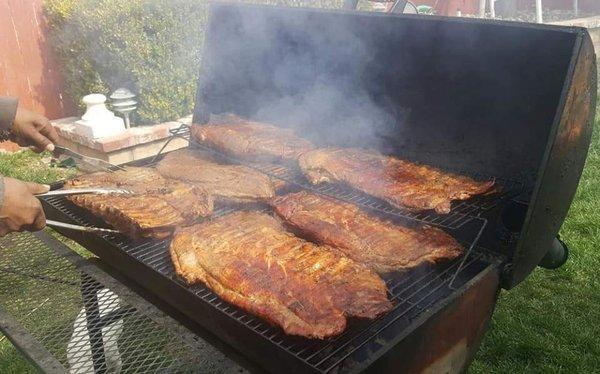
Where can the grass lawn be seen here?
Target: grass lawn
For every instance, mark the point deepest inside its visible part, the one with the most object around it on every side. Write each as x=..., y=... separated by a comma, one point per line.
x=32, y=167
x=549, y=323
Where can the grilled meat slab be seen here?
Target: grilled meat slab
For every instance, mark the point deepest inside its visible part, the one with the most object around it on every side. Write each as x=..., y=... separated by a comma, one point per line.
x=234, y=183
x=250, y=260
x=156, y=207
x=401, y=183
x=246, y=139
x=381, y=245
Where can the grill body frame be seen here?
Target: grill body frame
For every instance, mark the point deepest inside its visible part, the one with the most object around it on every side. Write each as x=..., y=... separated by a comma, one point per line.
x=550, y=177
x=418, y=296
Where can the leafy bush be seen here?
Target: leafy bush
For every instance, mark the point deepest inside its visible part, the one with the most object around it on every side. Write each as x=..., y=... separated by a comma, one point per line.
x=149, y=46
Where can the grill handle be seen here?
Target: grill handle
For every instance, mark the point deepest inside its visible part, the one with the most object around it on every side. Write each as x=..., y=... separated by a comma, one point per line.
x=556, y=256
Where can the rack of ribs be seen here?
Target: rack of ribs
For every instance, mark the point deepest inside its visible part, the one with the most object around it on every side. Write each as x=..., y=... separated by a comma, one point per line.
x=234, y=183
x=154, y=209
x=251, y=261
x=381, y=245
x=251, y=140
x=402, y=184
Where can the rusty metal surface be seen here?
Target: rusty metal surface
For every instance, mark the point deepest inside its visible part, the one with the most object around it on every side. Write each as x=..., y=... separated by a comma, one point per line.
x=447, y=342
x=562, y=164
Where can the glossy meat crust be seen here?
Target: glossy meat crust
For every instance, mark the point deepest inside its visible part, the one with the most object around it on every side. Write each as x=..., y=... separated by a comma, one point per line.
x=156, y=207
x=249, y=260
x=251, y=140
x=235, y=183
x=401, y=183
x=379, y=244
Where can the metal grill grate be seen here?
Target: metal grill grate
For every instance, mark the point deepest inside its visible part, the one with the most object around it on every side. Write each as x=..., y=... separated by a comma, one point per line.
x=412, y=293
x=462, y=211
x=50, y=298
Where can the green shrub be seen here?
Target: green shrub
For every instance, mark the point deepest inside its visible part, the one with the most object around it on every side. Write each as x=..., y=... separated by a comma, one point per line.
x=149, y=46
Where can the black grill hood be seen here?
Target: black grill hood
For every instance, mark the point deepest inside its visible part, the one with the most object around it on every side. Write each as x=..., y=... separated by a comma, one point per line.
x=509, y=100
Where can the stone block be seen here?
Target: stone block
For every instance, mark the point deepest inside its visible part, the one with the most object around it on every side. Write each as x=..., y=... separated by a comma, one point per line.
x=134, y=144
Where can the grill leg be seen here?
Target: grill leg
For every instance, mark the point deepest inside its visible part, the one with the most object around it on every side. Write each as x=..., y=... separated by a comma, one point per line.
x=89, y=292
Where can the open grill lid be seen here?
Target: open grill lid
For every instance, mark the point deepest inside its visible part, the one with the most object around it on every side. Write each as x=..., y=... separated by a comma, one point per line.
x=502, y=99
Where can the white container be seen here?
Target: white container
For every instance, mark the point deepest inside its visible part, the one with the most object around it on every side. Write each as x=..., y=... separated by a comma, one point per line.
x=98, y=121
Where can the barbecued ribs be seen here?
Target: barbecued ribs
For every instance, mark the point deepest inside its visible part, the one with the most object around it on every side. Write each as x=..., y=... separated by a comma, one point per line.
x=249, y=260
x=234, y=183
x=401, y=183
x=251, y=140
x=381, y=245
x=156, y=207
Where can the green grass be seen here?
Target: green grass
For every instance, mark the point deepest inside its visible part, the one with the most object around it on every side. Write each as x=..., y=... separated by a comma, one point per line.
x=30, y=166
x=549, y=323
x=11, y=360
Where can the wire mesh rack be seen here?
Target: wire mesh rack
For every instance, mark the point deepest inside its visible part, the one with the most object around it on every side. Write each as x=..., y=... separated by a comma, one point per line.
x=411, y=292
x=84, y=325
x=462, y=211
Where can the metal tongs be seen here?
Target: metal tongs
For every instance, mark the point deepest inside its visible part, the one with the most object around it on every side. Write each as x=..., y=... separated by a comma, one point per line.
x=70, y=226
x=80, y=191
x=83, y=191
x=86, y=162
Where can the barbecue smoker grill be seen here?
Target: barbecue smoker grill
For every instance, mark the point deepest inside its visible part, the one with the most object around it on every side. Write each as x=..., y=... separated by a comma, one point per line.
x=489, y=99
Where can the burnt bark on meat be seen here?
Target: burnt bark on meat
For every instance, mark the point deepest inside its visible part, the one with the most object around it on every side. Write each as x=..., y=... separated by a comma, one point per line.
x=231, y=183
x=155, y=208
x=401, y=183
x=250, y=260
x=251, y=140
x=381, y=245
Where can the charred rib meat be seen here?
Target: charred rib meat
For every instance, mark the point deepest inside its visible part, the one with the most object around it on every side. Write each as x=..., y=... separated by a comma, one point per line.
x=251, y=140
x=249, y=260
x=401, y=183
x=381, y=245
x=234, y=183
x=156, y=207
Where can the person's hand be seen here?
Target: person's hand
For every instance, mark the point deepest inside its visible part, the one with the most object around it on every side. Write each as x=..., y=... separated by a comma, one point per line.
x=21, y=210
x=33, y=129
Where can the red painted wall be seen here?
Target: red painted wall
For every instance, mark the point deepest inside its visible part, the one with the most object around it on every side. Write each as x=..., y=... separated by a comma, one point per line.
x=28, y=67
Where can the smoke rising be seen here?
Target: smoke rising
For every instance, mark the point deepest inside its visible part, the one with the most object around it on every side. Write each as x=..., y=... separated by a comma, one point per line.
x=297, y=72
x=347, y=80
